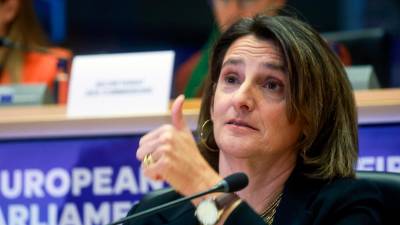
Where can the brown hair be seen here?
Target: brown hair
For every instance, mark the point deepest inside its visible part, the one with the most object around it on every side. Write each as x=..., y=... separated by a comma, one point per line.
x=26, y=30
x=319, y=94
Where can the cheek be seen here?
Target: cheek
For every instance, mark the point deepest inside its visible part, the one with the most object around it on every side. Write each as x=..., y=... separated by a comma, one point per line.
x=280, y=131
x=276, y=123
x=215, y=105
x=219, y=109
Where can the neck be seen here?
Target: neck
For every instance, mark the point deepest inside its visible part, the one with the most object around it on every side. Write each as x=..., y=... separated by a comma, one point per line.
x=266, y=178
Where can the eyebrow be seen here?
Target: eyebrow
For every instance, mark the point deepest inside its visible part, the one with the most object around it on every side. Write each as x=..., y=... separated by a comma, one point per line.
x=267, y=65
x=232, y=62
x=274, y=66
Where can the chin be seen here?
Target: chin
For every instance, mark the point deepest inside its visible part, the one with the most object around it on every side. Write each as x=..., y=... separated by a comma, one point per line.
x=237, y=154
x=237, y=149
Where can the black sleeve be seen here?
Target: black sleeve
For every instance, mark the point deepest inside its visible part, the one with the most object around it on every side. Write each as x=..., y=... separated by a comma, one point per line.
x=244, y=214
x=349, y=203
x=179, y=214
x=345, y=202
x=131, y=212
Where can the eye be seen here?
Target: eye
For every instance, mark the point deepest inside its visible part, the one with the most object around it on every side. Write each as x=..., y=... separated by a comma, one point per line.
x=273, y=85
x=274, y=88
x=231, y=79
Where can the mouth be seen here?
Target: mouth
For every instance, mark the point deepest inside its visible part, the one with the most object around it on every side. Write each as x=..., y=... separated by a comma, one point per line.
x=240, y=123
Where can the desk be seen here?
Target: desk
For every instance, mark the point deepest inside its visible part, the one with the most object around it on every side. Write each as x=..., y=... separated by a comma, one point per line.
x=379, y=130
x=374, y=107
x=55, y=169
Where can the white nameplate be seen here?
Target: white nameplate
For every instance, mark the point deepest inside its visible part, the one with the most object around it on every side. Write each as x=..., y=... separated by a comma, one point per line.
x=120, y=84
x=362, y=77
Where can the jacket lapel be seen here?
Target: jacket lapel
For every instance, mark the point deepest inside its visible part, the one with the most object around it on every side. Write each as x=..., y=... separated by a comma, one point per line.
x=298, y=195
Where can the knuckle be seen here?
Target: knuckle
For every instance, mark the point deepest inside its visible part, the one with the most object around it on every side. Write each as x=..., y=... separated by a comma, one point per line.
x=165, y=164
x=141, y=140
x=167, y=127
x=166, y=137
x=139, y=154
x=165, y=150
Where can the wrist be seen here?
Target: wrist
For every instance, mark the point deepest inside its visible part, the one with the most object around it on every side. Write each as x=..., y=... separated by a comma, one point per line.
x=203, y=183
x=211, y=210
x=229, y=210
x=208, y=184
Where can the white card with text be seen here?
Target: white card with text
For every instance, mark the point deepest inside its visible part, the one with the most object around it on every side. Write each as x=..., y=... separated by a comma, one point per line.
x=120, y=84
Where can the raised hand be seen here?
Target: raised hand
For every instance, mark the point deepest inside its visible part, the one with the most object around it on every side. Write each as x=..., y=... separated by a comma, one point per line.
x=175, y=156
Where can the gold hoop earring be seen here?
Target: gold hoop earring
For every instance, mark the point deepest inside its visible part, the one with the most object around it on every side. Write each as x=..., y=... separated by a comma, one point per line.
x=204, y=136
x=304, y=152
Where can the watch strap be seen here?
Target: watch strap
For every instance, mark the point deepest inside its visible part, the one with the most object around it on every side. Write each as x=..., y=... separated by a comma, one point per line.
x=224, y=200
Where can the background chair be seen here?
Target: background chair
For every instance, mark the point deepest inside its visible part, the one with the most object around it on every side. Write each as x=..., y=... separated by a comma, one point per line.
x=389, y=184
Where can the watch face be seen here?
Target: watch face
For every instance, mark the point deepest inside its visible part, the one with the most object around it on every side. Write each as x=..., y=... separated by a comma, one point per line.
x=207, y=212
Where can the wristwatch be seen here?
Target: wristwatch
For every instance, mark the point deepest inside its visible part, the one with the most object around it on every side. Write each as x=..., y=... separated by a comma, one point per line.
x=209, y=211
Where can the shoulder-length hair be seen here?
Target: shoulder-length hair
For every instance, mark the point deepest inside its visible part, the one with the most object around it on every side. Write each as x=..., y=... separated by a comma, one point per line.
x=319, y=95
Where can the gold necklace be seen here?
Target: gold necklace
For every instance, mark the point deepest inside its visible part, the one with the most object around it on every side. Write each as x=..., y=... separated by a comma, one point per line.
x=269, y=213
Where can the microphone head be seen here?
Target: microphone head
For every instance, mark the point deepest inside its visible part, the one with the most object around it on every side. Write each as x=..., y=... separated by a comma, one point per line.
x=236, y=182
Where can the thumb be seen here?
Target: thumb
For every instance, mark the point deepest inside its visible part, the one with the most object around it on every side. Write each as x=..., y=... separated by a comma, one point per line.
x=178, y=121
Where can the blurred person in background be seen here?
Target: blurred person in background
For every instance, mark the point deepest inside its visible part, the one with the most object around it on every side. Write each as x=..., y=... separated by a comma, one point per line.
x=190, y=76
x=25, y=53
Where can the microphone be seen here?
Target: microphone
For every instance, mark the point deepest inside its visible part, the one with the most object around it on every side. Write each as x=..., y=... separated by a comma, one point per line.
x=231, y=183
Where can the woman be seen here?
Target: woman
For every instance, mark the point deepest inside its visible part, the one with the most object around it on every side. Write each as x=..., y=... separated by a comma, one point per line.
x=278, y=107
x=31, y=61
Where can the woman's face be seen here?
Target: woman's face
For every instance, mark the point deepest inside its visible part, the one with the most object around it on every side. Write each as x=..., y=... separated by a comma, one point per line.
x=249, y=109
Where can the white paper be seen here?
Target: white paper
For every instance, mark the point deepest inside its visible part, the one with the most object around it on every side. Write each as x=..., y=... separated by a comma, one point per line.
x=120, y=84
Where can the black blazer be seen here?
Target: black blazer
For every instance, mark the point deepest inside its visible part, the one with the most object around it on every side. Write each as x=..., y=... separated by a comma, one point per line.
x=305, y=201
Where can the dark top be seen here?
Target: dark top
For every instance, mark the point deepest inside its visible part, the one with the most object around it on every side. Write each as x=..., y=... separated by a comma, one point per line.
x=305, y=201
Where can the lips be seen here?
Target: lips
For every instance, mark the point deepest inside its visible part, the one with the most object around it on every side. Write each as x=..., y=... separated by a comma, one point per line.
x=240, y=123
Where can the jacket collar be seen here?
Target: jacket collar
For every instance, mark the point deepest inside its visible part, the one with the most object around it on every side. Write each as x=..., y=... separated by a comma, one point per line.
x=181, y=212
x=298, y=194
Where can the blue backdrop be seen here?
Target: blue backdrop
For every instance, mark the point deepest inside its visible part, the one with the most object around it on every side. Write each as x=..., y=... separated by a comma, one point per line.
x=95, y=180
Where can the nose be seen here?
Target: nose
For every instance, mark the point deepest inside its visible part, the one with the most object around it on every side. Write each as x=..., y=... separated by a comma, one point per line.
x=243, y=98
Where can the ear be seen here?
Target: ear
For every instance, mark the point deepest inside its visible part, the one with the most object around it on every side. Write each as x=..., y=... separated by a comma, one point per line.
x=8, y=11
